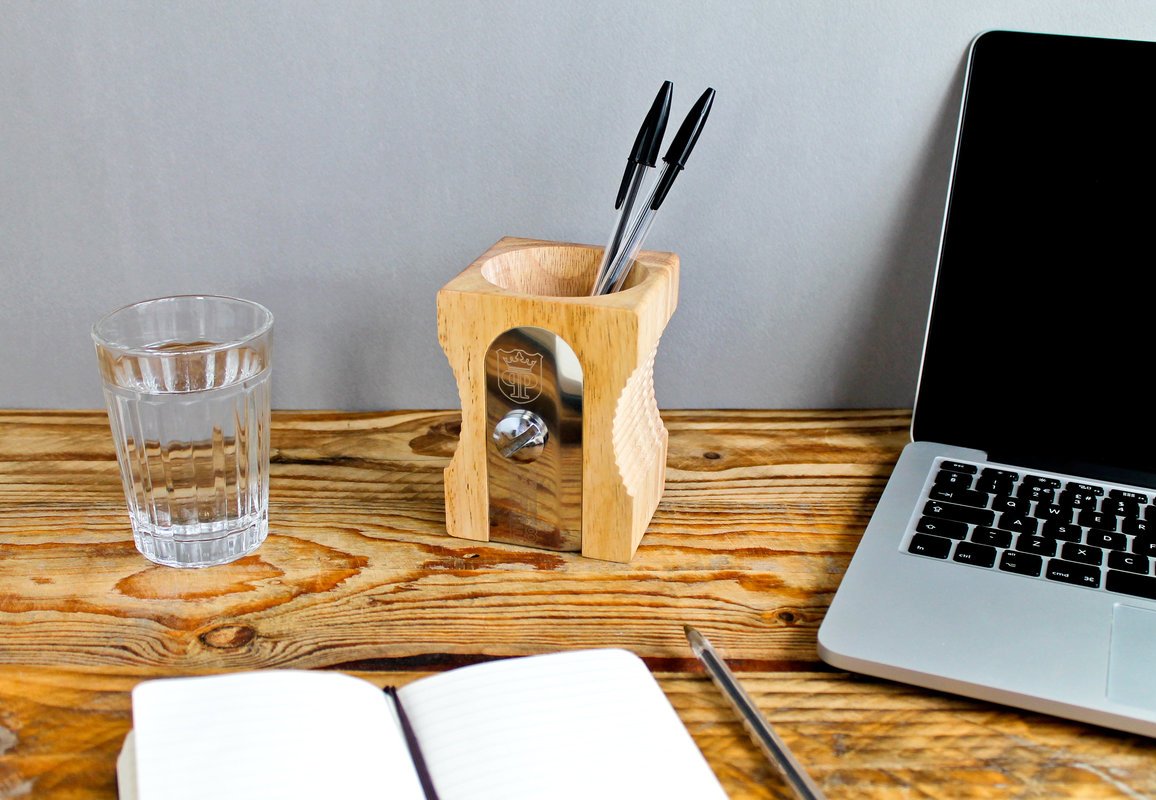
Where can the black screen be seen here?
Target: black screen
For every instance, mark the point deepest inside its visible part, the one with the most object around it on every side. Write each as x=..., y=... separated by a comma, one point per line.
x=1040, y=343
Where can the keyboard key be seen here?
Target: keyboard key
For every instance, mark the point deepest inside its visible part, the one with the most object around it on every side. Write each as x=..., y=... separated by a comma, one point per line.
x=959, y=466
x=1137, y=527
x=924, y=545
x=1028, y=543
x=1107, y=539
x=1085, y=488
x=1041, y=482
x=1069, y=572
x=1064, y=532
x=1144, y=546
x=1129, y=509
x=993, y=473
x=1078, y=499
x=978, y=554
x=996, y=482
x=973, y=516
x=1083, y=553
x=1130, y=583
x=942, y=527
x=990, y=536
x=1053, y=512
x=1018, y=524
x=1128, y=494
x=1130, y=562
x=967, y=497
x=1011, y=505
x=1036, y=494
x=958, y=480
x=1021, y=563
x=1096, y=519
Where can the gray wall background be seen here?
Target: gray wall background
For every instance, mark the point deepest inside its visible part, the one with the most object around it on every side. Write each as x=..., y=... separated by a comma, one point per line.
x=340, y=161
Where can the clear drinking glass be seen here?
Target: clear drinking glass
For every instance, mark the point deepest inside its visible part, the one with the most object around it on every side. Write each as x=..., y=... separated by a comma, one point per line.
x=186, y=381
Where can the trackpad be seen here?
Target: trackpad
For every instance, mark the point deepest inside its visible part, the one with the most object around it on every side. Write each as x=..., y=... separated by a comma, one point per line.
x=1133, y=657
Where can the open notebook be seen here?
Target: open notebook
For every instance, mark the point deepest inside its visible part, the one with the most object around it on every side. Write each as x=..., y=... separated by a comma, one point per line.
x=581, y=724
x=1010, y=556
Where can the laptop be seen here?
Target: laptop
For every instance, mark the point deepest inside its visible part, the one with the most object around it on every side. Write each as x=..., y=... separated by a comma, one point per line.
x=1011, y=554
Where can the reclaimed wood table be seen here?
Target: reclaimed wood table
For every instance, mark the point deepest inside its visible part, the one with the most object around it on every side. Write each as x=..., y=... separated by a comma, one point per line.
x=761, y=514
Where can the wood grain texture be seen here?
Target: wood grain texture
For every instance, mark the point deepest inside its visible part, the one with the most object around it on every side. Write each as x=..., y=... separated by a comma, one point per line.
x=530, y=283
x=761, y=514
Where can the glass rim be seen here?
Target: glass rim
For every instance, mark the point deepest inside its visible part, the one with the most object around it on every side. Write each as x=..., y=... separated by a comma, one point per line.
x=259, y=330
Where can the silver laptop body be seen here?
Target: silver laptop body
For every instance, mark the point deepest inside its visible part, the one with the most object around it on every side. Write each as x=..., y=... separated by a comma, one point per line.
x=1050, y=204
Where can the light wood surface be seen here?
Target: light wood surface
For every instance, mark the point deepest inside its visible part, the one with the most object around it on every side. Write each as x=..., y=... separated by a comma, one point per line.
x=761, y=514
x=528, y=282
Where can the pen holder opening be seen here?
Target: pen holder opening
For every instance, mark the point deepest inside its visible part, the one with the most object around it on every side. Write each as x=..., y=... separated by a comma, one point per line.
x=562, y=446
x=549, y=270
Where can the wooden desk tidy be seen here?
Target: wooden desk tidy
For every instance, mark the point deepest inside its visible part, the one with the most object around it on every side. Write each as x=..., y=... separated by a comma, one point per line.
x=525, y=283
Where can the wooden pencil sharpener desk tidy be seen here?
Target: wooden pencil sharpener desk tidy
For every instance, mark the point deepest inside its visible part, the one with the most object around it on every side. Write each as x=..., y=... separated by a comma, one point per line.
x=561, y=446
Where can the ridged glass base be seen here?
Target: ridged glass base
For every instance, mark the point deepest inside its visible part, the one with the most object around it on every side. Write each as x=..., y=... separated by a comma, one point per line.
x=195, y=546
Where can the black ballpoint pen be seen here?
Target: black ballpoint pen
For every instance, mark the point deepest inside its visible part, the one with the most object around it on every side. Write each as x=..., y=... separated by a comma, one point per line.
x=673, y=163
x=758, y=728
x=643, y=156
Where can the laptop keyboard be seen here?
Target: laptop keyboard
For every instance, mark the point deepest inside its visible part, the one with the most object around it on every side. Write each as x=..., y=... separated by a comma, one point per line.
x=1094, y=535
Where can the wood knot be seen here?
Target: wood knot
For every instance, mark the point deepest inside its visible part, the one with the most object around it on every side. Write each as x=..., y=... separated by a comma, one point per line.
x=440, y=440
x=785, y=616
x=711, y=455
x=228, y=637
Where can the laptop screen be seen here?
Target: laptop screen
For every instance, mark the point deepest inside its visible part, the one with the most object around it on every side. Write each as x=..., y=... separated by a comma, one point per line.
x=1041, y=343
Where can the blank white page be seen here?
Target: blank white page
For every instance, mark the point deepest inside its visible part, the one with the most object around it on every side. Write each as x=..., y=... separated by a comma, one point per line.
x=289, y=734
x=583, y=724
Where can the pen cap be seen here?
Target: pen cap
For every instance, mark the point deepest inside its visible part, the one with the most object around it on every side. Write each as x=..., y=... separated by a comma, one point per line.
x=683, y=142
x=649, y=138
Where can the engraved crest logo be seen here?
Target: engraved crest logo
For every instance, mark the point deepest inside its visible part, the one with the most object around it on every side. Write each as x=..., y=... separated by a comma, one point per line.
x=520, y=375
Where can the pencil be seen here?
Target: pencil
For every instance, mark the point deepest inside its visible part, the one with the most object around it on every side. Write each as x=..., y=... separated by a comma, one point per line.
x=757, y=726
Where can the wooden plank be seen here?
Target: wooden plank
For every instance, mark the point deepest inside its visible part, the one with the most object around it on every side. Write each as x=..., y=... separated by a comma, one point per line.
x=748, y=545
